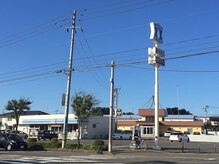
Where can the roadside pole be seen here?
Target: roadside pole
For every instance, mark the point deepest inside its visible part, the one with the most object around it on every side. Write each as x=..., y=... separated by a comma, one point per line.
x=156, y=101
x=111, y=106
x=156, y=57
x=68, y=87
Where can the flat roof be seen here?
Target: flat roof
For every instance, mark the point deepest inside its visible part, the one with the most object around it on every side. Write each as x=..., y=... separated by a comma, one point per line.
x=129, y=117
x=179, y=117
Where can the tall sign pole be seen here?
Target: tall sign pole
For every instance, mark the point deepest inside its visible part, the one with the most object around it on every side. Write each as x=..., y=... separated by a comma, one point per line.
x=156, y=102
x=156, y=57
x=111, y=106
x=68, y=87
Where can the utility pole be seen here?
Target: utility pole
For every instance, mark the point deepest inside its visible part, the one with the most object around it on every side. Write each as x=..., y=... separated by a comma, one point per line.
x=116, y=102
x=177, y=97
x=68, y=88
x=111, y=106
x=206, y=118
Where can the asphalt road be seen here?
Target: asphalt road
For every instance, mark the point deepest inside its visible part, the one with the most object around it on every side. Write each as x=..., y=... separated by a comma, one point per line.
x=166, y=145
x=135, y=157
x=171, y=153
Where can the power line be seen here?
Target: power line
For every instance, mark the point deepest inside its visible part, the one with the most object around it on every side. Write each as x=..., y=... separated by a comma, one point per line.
x=192, y=55
x=22, y=81
x=101, y=82
x=53, y=22
x=171, y=58
x=33, y=68
x=28, y=76
x=91, y=52
x=205, y=48
x=128, y=8
x=190, y=40
x=91, y=68
x=30, y=34
x=169, y=53
x=193, y=45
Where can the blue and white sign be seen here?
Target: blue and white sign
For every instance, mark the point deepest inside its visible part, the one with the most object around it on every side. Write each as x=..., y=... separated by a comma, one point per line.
x=156, y=33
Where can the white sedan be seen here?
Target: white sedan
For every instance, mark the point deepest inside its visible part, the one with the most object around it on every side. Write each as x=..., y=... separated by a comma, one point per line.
x=167, y=133
x=178, y=136
x=126, y=134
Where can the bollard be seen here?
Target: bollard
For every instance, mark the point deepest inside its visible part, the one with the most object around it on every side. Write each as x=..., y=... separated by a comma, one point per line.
x=199, y=149
x=215, y=149
x=182, y=147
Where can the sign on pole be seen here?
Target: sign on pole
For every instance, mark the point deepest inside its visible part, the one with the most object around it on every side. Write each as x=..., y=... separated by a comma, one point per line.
x=156, y=33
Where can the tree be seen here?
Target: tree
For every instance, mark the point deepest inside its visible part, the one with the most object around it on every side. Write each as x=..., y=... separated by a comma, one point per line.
x=82, y=103
x=18, y=106
x=176, y=111
x=100, y=111
x=128, y=113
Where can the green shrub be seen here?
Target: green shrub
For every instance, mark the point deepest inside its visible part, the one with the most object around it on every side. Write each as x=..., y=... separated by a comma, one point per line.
x=99, y=151
x=53, y=145
x=31, y=140
x=99, y=146
x=36, y=147
x=87, y=147
x=104, y=148
x=73, y=146
x=54, y=141
x=98, y=143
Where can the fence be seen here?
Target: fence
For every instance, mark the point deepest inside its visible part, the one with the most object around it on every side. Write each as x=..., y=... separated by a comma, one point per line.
x=184, y=147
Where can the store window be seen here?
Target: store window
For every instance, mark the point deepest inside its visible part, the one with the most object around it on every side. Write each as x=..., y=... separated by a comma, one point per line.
x=148, y=130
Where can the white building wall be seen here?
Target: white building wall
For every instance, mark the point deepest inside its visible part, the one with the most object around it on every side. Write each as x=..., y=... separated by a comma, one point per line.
x=177, y=119
x=98, y=127
x=52, y=117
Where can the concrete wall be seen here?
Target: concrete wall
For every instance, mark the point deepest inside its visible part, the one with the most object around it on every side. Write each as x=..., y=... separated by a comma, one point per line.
x=98, y=127
x=204, y=138
x=184, y=129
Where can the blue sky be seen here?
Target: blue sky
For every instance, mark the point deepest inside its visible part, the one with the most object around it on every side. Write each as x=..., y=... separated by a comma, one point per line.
x=34, y=44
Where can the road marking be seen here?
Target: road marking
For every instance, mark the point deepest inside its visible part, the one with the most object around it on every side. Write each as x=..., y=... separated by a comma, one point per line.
x=211, y=159
x=11, y=159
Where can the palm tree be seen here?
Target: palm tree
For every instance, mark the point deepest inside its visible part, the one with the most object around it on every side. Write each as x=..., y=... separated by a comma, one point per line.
x=18, y=106
x=82, y=104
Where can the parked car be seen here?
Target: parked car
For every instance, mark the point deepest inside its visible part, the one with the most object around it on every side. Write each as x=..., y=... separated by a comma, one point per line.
x=20, y=133
x=11, y=141
x=187, y=132
x=2, y=131
x=178, y=136
x=46, y=134
x=196, y=133
x=167, y=133
x=125, y=134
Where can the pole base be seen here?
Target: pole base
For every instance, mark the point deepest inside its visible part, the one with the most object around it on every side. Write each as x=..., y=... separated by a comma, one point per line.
x=156, y=144
x=156, y=147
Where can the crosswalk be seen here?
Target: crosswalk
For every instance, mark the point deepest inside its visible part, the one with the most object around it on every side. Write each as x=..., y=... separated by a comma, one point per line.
x=15, y=159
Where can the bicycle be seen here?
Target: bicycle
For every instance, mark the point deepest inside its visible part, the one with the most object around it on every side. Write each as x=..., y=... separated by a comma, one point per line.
x=134, y=145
